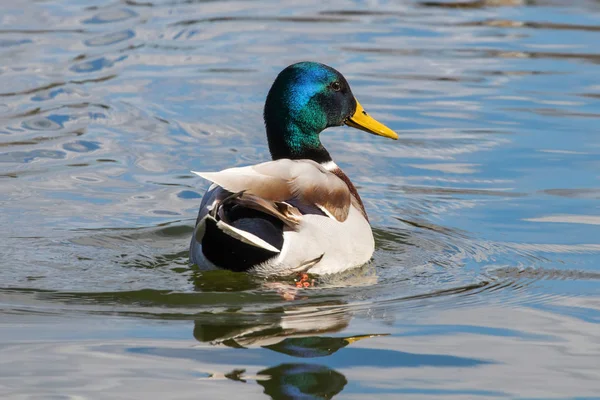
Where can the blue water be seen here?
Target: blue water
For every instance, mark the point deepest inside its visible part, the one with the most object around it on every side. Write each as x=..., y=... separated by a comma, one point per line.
x=485, y=282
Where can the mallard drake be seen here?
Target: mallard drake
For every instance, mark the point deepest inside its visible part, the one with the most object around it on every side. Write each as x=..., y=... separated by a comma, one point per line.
x=300, y=212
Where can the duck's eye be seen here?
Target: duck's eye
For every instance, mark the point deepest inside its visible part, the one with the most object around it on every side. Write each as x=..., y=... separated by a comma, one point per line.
x=336, y=86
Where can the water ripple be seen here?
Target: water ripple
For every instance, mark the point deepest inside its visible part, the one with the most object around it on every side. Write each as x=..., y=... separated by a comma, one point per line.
x=485, y=211
x=109, y=16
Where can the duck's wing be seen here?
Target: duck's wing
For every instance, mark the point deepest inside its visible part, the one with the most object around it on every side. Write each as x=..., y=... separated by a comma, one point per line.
x=272, y=184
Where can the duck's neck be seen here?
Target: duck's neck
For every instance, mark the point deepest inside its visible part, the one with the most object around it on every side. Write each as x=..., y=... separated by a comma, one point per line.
x=290, y=141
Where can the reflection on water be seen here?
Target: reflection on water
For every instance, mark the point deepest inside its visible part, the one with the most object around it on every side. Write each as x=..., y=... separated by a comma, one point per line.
x=290, y=335
x=300, y=334
x=302, y=381
x=485, y=212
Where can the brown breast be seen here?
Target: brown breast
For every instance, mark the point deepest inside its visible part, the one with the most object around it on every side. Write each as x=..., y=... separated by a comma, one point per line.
x=340, y=174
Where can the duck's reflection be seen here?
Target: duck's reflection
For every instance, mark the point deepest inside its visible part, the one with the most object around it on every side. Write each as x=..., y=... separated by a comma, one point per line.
x=301, y=381
x=313, y=346
x=297, y=333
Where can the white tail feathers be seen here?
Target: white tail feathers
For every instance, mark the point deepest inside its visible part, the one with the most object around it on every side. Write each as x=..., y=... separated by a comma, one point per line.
x=245, y=237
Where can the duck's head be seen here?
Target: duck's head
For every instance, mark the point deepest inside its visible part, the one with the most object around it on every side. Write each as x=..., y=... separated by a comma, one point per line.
x=305, y=99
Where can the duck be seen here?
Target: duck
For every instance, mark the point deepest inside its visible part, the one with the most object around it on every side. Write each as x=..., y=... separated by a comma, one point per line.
x=298, y=213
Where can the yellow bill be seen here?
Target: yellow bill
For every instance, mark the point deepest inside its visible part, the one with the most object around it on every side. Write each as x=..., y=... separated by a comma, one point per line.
x=353, y=339
x=363, y=121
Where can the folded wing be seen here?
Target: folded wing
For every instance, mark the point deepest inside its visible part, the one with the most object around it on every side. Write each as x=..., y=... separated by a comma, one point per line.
x=279, y=181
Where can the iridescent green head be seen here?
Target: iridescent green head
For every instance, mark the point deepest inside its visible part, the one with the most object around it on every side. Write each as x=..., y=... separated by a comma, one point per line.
x=305, y=99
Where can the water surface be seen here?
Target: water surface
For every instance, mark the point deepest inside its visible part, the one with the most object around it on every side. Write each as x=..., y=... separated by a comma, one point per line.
x=485, y=282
